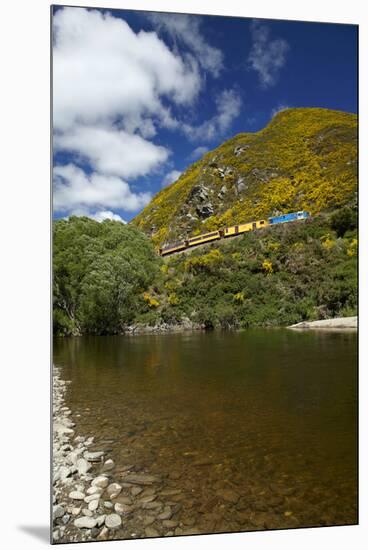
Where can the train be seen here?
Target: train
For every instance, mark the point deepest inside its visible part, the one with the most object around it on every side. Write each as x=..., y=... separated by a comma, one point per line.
x=232, y=231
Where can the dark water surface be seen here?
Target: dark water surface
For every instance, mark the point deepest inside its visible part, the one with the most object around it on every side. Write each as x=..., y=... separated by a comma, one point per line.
x=255, y=429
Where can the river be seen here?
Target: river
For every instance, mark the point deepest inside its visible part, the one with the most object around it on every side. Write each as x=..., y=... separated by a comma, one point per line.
x=247, y=430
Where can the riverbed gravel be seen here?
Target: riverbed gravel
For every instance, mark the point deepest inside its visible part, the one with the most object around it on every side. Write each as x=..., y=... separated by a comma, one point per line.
x=90, y=500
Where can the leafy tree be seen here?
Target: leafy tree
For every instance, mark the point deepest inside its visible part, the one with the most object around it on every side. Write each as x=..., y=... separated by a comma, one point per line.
x=101, y=271
x=342, y=220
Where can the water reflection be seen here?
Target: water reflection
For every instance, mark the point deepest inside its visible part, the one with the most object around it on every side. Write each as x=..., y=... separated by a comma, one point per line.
x=267, y=414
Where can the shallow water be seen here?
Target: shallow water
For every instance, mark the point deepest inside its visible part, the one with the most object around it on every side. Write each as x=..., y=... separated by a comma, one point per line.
x=254, y=429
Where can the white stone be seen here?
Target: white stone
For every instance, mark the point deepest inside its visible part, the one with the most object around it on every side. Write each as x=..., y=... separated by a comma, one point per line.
x=93, y=505
x=93, y=456
x=112, y=521
x=94, y=489
x=89, y=499
x=109, y=465
x=85, y=523
x=100, y=481
x=83, y=465
x=64, y=472
x=100, y=520
x=76, y=495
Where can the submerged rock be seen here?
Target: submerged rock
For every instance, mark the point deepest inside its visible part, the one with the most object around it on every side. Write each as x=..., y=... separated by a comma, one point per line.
x=114, y=490
x=151, y=532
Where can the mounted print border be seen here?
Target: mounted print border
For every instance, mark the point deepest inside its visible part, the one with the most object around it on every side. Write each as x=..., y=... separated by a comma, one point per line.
x=205, y=242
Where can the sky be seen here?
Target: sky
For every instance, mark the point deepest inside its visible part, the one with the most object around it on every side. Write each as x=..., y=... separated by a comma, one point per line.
x=139, y=96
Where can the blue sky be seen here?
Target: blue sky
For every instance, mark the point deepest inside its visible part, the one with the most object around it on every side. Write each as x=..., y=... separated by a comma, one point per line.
x=138, y=96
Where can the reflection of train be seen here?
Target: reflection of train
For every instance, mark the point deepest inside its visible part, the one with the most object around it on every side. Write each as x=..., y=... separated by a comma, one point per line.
x=231, y=231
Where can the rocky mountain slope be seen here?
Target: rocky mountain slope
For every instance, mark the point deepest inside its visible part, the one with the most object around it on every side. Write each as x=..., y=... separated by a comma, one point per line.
x=305, y=159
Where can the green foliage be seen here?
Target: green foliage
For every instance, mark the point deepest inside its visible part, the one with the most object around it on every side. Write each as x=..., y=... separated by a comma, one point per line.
x=205, y=263
x=107, y=276
x=342, y=220
x=100, y=273
x=308, y=273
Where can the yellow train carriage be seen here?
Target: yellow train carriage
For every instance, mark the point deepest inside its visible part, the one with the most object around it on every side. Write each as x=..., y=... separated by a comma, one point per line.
x=171, y=248
x=204, y=238
x=243, y=227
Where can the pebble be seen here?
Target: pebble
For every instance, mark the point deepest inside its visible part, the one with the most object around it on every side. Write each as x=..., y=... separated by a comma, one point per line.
x=100, y=520
x=64, y=472
x=114, y=490
x=83, y=466
x=76, y=495
x=103, y=533
x=122, y=508
x=108, y=465
x=141, y=479
x=150, y=498
x=89, y=499
x=108, y=504
x=57, y=511
x=87, y=512
x=166, y=514
x=112, y=521
x=93, y=456
x=93, y=490
x=85, y=522
x=100, y=481
x=76, y=511
x=136, y=491
x=151, y=532
x=228, y=495
x=148, y=520
x=124, y=500
x=93, y=505
x=170, y=523
x=65, y=519
x=151, y=505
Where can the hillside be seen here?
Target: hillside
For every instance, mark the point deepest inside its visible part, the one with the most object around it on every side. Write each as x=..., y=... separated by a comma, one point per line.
x=305, y=159
x=274, y=277
x=108, y=278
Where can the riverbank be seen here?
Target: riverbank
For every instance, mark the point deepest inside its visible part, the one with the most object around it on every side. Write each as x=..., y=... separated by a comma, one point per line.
x=337, y=323
x=95, y=500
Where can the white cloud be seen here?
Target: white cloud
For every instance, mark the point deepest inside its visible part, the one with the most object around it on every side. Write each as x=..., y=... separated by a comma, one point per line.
x=267, y=56
x=110, y=86
x=186, y=29
x=111, y=151
x=73, y=190
x=103, y=69
x=198, y=152
x=280, y=107
x=106, y=215
x=228, y=105
x=170, y=177
x=98, y=216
